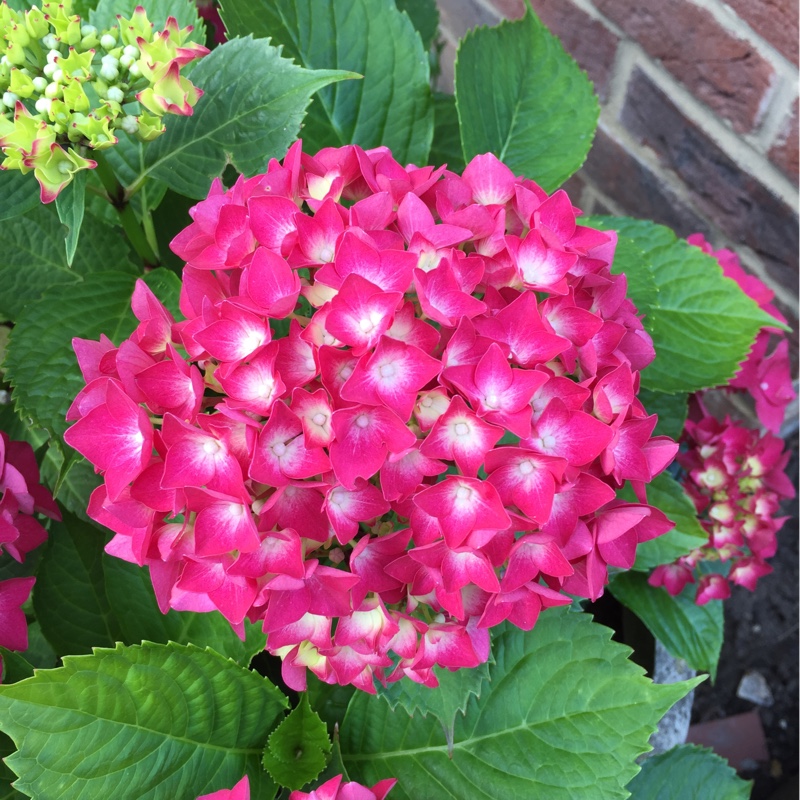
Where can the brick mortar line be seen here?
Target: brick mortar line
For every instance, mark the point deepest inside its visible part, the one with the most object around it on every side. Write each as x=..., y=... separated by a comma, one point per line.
x=487, y=6
x=741, y=151
x=782, y=96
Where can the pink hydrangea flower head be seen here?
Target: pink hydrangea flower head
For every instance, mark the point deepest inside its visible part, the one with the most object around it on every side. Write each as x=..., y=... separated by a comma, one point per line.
x=395, y=414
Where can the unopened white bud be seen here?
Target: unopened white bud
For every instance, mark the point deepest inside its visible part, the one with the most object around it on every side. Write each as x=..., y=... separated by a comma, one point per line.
x=134, y=69
x=109, y=73
x=51, y=90
x=131, y=50
x=43, y=105
x=9, y=99
x=39, y=83
x=107, y=41
x=130, y=124
x=126, y=61
x=115, y=94
x=4, y=61
x=88, y=30
x=50, y=41
x=53, y=56
x=58, y=75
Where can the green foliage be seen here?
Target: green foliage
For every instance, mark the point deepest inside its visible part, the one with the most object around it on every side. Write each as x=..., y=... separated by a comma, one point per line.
x=40, y=363
x=18, y=194
x=15, y=667
x=139, y=723
x=298, y=749
x=446, y=147
x=73, y=482
x=70, y=204
x=667, y=494
x=185, y=11
x=523, y=98
x=133, y=603
x=444, y=702
x=69, y=597
x=253, y=105
x=688, y=631
x=33, y=257
x=702, y=323
x=424, y=16
x=688, y=772
x=565, y=715
x=329, y=700
x=391, y=106
x=671, y=409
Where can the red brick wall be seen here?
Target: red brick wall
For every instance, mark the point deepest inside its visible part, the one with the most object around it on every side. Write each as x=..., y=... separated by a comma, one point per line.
x=699, y=125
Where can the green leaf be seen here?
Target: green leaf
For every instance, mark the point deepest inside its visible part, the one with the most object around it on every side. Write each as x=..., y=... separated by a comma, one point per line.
x=127, y=160
x=33, y=257
x=671, y=409
x=40, y=363
x=185, y=11
x=446, y=147
x=329, y=700
x=69, y=598
x=702, y=323
x=688, y=772
x=70, y=205
x=523, y=98
x=424, y=16
x=15, y=667
x=140, y=723
x=7, y=791
x=565, y=717
x=445, y=701
x=391, y=106
x=665, y=493
x=688, y=631
x=297, y=750
x=253, y=105
x=18, y=193
x=76, y=485
x=133, y=603
x=39, y=653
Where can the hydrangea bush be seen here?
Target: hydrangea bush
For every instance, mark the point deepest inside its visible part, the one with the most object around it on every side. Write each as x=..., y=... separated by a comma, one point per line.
x=349, y=414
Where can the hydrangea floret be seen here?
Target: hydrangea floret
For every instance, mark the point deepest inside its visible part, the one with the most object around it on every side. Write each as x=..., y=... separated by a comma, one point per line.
x=396, y=413
x=22, y=499
x=735, y=474
x=333, y=789
x=67, y=87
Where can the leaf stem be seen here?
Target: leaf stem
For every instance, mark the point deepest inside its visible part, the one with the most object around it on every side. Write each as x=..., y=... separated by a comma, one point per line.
x=116, y=196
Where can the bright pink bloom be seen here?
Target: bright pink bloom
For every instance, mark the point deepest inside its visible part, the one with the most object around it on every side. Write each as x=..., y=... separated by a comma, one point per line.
x=334, y=789
x=239, y=792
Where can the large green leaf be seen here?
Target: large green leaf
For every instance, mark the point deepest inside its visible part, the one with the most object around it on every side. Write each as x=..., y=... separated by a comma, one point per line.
x=69, y=597
x=391, y=106
x=184, y=11
x=140, y=723
x=253, y=105
x=565, y=717
x=73, y=487
x=665, y=493
x=298, y=749
x=424, y=16
x=688, y=631
x=702, y=323
x=134, y=605
x=521, y=96
x=688, y=772
x=40, y=363
x=446, y=147
x=33, y=257
x=18, y=193
x=444, y=702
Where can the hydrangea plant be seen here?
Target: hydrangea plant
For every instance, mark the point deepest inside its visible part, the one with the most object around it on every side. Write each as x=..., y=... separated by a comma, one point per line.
x=348, y=413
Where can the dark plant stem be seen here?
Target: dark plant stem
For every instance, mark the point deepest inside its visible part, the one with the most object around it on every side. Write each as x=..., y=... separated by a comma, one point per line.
x=116, y=195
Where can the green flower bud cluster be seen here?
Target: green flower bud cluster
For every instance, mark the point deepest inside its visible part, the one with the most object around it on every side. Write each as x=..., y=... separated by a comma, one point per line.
x=66, y=87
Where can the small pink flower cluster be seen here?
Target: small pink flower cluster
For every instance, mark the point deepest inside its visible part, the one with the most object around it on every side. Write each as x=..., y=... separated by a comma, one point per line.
x=431, y=447
x=21, y=497
x=735, y=477
x=765, y=374
x=333, y=789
